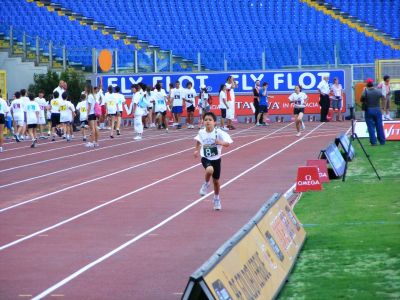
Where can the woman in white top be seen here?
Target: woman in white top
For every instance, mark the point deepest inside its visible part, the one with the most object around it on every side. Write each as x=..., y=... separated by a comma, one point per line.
x=111, y=106
x=4, y=109
x=190, y=99
x=337, y=99
x=298, y=98
x=42, y=116
x=32, y=110
x=223, y=104
x=18, y=111
x=230, y=97
x=160, y=107
x=92, y=120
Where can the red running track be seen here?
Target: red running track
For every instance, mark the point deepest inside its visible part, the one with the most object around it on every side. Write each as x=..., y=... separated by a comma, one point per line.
x=125, y=221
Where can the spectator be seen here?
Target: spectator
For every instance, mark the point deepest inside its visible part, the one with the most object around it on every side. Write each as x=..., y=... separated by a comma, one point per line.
x=323, y=88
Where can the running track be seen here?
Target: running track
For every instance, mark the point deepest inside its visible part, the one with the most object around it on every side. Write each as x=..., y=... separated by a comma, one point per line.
x=125, y=221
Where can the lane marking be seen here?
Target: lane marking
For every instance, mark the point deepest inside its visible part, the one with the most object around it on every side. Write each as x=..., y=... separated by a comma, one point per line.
x=150, y=230
x=88, y=150
x=115, y=199
x=89, y=163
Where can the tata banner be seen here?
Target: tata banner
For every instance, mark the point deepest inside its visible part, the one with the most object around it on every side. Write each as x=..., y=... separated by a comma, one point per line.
x=280, y=81
x=255, y=262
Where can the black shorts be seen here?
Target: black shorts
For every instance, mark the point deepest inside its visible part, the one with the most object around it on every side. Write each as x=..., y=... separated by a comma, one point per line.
x=216, y=164
x=112, y=115
x=55, y=120
x=92, y=117
x=2, y=119
x=190, y=108
x=298, y=111
x=163, y=113
x=32, y=125
x=223, y=113
x=84, y=122
x=263, y=109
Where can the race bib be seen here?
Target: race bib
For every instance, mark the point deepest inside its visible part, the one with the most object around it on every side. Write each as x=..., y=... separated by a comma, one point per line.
x=63, y=108
x=210, y=150
x=55, y=103
x=83, y=109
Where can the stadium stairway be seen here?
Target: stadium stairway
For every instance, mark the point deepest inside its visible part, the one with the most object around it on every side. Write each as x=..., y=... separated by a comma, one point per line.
x=355, y=23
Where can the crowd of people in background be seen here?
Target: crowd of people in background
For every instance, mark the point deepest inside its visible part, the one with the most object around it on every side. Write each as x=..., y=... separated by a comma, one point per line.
x=28, y=117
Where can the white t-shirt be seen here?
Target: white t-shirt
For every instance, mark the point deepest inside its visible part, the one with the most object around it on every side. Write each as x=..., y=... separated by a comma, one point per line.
x=204, y=98
x=337, y=90
x=3, y=107
x=91, y=101
x=64, y=111
x=71, y=107
x=298, y=99
x=55, y=105
x=140, y=104
x=222, y=97
x=159, y=101
x=31, y=109
x=323, y=86
x=60, y=91
x=18, y=109
x=99, y=96
x=111, y=102
x=209, y=149
x=120, y=99
x=231, y=91
x=190, y=97
x=177, y=96
x=82, y=108
x=43, y=106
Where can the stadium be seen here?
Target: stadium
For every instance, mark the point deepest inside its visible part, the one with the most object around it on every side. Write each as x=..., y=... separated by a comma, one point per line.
x=199, y=149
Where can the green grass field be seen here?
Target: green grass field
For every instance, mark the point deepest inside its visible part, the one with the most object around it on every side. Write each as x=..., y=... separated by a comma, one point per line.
x=353, y=233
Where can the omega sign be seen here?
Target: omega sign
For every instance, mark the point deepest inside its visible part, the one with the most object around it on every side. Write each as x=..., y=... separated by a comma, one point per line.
x=308, y=179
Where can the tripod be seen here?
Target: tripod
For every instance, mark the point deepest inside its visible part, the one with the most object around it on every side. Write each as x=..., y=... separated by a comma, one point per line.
x=353, y=137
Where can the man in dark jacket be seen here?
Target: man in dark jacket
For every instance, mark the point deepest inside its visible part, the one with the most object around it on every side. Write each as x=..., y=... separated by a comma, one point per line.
x=371, y=98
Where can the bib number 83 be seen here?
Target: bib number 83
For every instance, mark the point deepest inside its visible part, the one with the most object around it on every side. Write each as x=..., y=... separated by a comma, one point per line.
x=210, y=151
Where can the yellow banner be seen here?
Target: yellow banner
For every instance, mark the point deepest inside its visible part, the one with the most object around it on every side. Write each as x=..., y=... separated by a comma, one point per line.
x=3, y=84
x=258, y=263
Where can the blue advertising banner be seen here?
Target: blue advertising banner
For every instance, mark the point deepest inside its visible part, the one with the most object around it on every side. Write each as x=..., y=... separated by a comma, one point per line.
x=279, y=81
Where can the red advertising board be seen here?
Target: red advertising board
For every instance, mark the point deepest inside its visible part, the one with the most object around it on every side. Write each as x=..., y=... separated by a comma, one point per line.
x=392, y=130
x=308, y=179
x=322, y=168
x=279, y=105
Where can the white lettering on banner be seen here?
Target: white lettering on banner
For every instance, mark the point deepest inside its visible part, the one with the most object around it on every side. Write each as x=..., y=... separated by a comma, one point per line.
x=157, y=78
x=308, y=182
x=308, y=177
x=188, y=78
x=278, y=80
x=322, y=175
x=290, y=82
x=112, y=81
x=392, y=131
x=252, y=76
x=313, y=80
x=245, y=86
x=202, y=79
x=323, y=74
x=274, y=105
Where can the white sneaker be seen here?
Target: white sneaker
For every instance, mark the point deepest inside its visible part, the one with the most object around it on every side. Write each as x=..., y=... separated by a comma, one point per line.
x=89, y=145
x=138, y=137
x=258, y=124
x=298, y=134
x=389, y=118
x=1, y=149
x=152, y=125
x=204, y=188
x=217, y=204
x=303, y=126
x=225, y=128
x=96, y=145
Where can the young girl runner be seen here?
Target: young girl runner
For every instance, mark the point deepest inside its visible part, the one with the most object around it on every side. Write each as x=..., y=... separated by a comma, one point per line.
x=32, y=118
x=82, y=110
x=209, y=143
x=42, y=116
x=94, y=137
x=160, y=107
x=111, y=109
x=120, y=99
x=4, y=109
x=18, y=112
x=204, y=103
x=298, y=98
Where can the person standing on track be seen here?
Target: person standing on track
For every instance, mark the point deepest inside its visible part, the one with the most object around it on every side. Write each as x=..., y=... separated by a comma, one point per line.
x=4, y=110
x=18, y=114
x=223, y=105
x=111, y=107
x=177, y=95
x=209, y=143
x=337, y=90
x=256, y=101
x=324, y=103
x=298, y=98
x=230, y=97
x=55, y=114
x=82, y=110
x=160, y=107
x=120, y=102
x=263, y=104
x=386, y=92
x=190, y=99
x=204, y=103
x=92, y=120
x=42, y=119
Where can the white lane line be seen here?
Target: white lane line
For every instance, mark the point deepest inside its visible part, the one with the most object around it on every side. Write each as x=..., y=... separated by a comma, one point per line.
x=90, y=163
x=80, y=144
x=91, y=180
x=88, y=150
x=152, y=229
x=120, y=197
